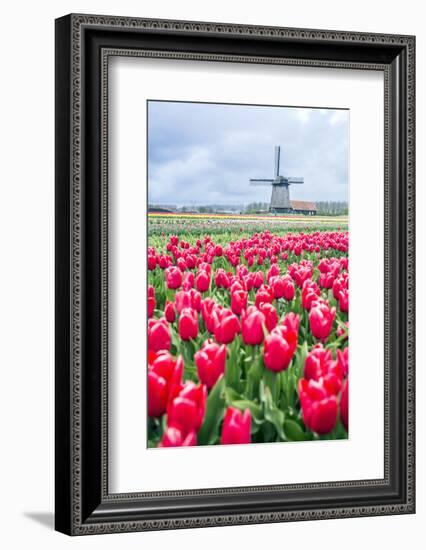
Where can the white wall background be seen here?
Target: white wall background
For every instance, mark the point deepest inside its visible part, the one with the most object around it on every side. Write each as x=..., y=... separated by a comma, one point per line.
x=27, y=267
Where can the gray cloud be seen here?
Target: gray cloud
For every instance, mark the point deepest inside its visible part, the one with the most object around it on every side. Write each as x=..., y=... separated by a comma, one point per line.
x=206, y=153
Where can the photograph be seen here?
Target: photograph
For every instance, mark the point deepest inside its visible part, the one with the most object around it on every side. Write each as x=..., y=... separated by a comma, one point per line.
x=248, y=252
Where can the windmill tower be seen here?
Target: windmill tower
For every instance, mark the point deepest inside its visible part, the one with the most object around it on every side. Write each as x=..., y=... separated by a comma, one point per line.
x=280, y=198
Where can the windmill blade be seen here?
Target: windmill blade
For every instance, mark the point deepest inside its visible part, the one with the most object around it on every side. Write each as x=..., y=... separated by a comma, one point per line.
x=295, y=180
x=260, y=182
x=277, y=161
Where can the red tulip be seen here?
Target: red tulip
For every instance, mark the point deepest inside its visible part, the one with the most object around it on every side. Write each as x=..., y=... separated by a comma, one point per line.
x=344, y=300
x=236, y=427
x=181, y=264
x=321, y=318
x=320, y=365
x=173, y=438
x=239, y=301
x=288, y=288
x=278, y=286
x=152, y=262
x=236, y=285
x=264, y=294
x=326, y=280
x=291, y=322
x=210, y=361
x=186, y=411
x=173, y=277
x=301, y=274
x=164, y=375
x=159, y=337
x=170, y=312
x=343, y=360
x=271, y=315
x=157, y=395
x=221, y=279
x=151, y=301
x=279, y=348
x=252, y=322
x=257, y=279
x=226, y=325
x=190, y=298
x=164, y=261
x=188, y=324
x=344, y=405
x=273, y=272
x=340, y=283
x=310, y=293
x=207, y=307
x=188, y=281
x=319, y=409
x=202, y=281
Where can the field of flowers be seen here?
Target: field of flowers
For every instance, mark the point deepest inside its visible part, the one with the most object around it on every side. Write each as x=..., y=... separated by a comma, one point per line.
x=247, y=334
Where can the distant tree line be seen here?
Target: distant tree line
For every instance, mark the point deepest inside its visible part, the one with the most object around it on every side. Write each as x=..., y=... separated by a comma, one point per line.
x=256, y=206
x=332, y=208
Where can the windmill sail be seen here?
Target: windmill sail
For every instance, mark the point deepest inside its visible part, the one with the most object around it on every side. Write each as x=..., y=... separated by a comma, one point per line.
x=260, y=181
x=277, y=161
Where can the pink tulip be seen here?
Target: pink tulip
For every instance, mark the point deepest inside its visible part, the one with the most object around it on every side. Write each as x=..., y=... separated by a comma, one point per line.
x=236, y=427
x=252, y=322
x=188, y=324
x=210, y=361
x=321, y=318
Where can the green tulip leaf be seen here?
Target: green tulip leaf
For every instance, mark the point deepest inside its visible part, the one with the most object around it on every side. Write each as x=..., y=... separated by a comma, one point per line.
x=215, y=410
x=293, y=431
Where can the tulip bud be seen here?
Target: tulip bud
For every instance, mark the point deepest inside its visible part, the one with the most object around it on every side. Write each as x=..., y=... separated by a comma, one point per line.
x=344, y=300
x=210, y=361
x=169, y=312
x=238, y=301
x=321, y=318
x=264, y=294
x=236, y=427
x=271, y=315
x=252, y=322
x=221, y=279
x=159, y=337
x=279, y=348
x=226, y=325
x=310, y=293
x=164, y=376
x=207, y=307
x=173, y=277
x=188, y=324
x=343, y=360
x=151, y=301
x=186, y=411
x=152, y=262
x=202, y=281
x=188, y=281
x=319, y=409
x=157, y=395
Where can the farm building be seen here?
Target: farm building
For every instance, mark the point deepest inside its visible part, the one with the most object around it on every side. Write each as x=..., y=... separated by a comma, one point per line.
x=303, y=207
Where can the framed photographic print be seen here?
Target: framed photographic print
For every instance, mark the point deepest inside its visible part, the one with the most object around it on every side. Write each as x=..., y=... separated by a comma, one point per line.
x=217, y=187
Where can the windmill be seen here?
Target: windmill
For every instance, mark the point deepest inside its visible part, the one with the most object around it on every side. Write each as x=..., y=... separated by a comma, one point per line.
x=280, y=198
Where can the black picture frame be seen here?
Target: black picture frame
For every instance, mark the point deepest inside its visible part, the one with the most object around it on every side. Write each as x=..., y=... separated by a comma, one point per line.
x=83, y=45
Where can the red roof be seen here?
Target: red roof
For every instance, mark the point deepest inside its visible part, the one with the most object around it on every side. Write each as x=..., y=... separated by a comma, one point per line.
x=303, y=205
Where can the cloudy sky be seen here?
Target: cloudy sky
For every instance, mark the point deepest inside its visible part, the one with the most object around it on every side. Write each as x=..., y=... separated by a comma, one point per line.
x=202, y=153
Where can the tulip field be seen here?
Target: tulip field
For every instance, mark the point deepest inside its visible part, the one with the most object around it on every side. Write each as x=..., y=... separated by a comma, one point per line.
x=247, y=331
